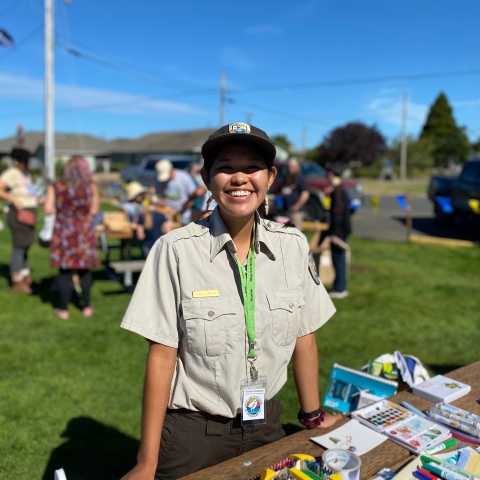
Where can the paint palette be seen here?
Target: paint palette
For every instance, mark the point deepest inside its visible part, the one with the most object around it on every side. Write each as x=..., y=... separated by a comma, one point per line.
x=382, y=415
x=402, y=426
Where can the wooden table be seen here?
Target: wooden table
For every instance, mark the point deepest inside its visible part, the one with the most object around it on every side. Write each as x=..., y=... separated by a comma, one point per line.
x=386, y=455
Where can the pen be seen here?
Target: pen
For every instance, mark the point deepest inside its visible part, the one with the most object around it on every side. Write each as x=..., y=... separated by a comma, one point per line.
x=420, y=475
x=427, y=473
x=438, y=463
x=413, y=409
x=460, y=426
x=440, y=447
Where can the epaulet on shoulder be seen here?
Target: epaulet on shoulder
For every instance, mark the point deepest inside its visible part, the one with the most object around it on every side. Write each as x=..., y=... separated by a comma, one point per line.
x=193, y=229
x=281, y=228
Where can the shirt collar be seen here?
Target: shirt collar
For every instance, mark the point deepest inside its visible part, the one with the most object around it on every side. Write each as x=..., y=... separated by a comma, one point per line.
x=219, y=235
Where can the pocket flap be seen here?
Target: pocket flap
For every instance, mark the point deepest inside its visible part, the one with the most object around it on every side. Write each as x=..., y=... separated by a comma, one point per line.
x=206, y=308
x=288, y=300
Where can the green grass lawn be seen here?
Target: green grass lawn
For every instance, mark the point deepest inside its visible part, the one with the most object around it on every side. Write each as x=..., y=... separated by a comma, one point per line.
x=417, y=187
x=70, y=392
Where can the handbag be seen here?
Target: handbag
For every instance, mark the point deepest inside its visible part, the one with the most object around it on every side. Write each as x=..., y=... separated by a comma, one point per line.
x=46, y=233
x=26, y=217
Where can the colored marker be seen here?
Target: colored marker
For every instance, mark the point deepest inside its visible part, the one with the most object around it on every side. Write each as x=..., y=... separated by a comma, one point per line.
x=427, y=473
x=460, y=426
x=440, y=447
x=446, y=466
x=439, y=472
x=420, y=475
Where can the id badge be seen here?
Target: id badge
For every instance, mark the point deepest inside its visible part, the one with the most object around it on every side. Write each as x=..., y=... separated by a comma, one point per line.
x=252, y=394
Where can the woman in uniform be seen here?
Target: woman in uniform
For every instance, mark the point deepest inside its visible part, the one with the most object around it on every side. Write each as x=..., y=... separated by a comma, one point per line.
x=226, y=303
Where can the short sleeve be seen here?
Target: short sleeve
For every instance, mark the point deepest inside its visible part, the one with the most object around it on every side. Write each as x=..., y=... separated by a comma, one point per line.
x=302, y=184
x=8, y=178
x=154, y=307
x=318, y=308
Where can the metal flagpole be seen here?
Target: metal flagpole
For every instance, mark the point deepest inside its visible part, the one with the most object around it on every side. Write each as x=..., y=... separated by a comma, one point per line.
x=49, y=142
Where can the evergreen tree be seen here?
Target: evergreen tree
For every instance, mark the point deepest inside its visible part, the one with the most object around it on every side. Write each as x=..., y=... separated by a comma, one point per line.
x=448, y=139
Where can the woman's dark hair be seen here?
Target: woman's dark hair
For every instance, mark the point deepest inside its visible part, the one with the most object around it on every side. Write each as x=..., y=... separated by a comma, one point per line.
x=20, y=155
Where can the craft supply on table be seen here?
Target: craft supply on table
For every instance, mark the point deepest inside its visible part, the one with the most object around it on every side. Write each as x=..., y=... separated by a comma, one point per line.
x=346, y=384
x=352, y=436
x=299, y=467
x=441, y=389
x=457, y=418
x=402, y=426
x=440, y=447
x=451, y=468
x=344, y=462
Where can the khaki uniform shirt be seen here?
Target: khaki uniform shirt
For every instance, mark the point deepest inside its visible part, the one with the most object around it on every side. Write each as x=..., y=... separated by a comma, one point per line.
x=210, y=332
x=20, y=186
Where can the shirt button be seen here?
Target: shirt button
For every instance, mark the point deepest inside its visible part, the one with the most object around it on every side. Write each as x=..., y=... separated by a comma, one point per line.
x=291, y=305
x=210, y=313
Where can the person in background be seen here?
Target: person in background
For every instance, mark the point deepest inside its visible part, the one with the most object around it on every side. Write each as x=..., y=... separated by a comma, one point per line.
x=339, y=230
x=17, y=189
x=295, y=193
x=76, y=202
x=199, y=204
x=176, y=188
x=151, y=225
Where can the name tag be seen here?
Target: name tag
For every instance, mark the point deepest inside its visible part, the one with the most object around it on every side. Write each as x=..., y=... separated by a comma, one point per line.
x=206, y=293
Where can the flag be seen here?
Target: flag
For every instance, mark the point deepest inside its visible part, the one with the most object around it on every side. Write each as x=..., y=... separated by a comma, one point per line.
x=402, y=202
x=6, y=40
x=445, y=204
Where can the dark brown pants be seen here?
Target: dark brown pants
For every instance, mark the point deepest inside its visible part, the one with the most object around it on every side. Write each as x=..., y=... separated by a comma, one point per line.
x=192, y=441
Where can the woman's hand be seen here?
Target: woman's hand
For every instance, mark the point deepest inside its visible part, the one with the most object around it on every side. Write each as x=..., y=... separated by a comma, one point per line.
x=140, y=472
x=17, y=204
x=329, y=420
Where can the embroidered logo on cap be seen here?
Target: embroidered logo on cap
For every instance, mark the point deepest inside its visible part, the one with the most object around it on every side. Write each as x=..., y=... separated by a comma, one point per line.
x=239, y=127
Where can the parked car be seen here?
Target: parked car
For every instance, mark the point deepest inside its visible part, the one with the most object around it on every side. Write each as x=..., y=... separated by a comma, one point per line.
x=456, y=193
x=319, y=188
x=146, y=174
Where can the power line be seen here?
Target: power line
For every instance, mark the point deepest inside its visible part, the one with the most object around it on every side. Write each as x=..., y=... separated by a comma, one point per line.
x=358, y=81
x=23, y=41
x=127, y=69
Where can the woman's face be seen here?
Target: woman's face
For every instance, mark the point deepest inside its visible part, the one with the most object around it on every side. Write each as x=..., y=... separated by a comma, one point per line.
x=239, y=180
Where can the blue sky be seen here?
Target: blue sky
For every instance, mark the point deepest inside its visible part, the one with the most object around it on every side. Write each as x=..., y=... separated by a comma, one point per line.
x=175, y=52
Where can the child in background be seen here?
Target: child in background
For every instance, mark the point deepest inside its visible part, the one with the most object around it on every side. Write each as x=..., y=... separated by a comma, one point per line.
x=151, y=225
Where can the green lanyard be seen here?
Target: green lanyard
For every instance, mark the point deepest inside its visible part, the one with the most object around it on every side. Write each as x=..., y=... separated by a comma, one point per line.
x=247, y=279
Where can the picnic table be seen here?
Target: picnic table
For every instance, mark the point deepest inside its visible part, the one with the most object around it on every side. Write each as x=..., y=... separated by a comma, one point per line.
x=386, y=455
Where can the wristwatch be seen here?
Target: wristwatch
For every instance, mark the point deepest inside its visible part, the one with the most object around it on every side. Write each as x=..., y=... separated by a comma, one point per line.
x=308, y=419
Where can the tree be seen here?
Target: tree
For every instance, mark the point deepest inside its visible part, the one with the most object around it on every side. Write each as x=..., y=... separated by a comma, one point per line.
x=449, y=140
x=281, y=140
x=353, y=142
x=419, y=153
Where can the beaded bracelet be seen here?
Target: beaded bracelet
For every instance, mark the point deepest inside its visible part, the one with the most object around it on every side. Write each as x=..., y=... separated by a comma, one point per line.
x=306, y=418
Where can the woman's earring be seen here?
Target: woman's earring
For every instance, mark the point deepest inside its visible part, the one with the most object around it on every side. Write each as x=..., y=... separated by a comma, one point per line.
x=266, y=205
x=209, y=201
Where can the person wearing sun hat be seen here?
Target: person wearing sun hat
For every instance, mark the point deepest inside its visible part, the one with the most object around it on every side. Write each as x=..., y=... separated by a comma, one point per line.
x=226, y=302
x=176, y=188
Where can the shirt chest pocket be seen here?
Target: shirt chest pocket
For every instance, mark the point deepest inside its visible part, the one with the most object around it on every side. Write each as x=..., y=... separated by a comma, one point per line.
x=285, y=310
x=209, y=325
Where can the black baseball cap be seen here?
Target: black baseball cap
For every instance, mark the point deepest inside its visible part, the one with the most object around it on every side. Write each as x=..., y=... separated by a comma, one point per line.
x=239, y=132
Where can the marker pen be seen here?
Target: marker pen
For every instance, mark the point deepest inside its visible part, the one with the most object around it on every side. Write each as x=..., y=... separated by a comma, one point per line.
x=440, y=447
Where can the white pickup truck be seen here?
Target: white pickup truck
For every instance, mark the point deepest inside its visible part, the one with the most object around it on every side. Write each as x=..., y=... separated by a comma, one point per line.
x=146, y=174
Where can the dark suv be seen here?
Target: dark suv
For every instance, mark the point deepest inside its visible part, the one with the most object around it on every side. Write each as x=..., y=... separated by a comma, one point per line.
x=318, y=186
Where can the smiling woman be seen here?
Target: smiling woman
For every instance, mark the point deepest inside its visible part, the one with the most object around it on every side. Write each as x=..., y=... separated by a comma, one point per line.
x=226, y=302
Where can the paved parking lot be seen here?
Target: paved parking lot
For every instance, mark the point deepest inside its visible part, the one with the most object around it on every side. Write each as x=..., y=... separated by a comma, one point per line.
x=389, y=222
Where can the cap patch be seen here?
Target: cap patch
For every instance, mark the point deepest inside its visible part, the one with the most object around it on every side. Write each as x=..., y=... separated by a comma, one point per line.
x=312, y=268
x=239, y=127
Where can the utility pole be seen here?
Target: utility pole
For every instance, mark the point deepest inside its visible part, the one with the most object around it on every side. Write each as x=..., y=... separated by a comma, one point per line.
x=223, y=97
x=49, y=142
x=304, y=138
x=403, y=147
x=248, y=117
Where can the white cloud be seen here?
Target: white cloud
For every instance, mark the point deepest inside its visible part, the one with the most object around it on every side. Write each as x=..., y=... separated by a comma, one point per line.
x=466, y=104
x=263, y=30
x=235, y=58
x=77, y=97
x=387, y=106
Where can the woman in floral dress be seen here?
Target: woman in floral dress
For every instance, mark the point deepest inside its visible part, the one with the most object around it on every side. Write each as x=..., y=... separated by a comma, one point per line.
x=73, y=247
